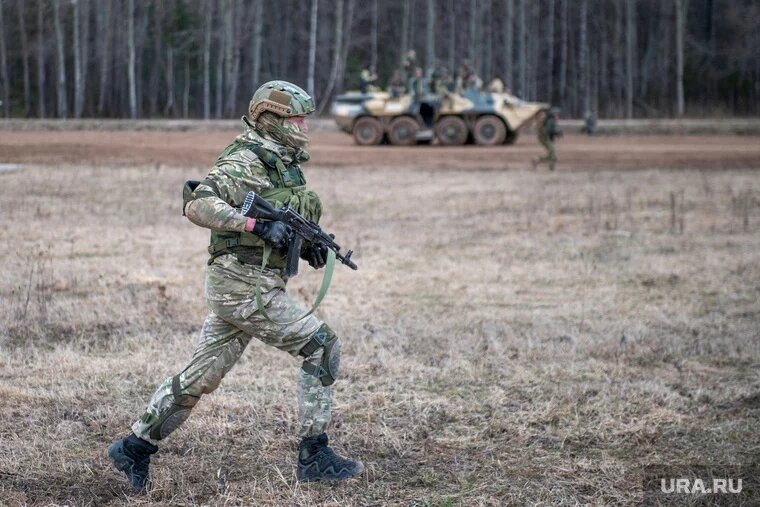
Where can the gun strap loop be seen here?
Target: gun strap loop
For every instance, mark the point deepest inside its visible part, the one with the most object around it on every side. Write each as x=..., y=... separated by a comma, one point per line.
x=326, y=279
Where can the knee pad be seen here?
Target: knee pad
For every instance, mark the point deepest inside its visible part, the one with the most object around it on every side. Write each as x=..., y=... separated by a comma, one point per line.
x=176, y=414
x=326, y=370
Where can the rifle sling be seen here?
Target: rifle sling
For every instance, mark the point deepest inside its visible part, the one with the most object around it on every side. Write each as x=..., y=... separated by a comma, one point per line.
x=326, y=279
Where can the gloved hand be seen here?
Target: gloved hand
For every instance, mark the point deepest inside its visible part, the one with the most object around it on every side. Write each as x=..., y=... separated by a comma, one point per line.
x=275, y=233
x=315, y=255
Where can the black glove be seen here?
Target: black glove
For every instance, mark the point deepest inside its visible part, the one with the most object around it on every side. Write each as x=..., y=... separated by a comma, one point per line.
x=315, y=255
x=275, y=233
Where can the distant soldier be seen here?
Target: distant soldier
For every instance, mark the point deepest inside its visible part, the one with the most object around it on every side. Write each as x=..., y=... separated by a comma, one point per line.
x=474, y=82
x=589, y=125
x=417, y=85
x=410, y=63
x=468, y=79
x=463, y=76
x=445, y=83
x=547, y=126
x=367, y=79
x=434, y=77
x=396, y=84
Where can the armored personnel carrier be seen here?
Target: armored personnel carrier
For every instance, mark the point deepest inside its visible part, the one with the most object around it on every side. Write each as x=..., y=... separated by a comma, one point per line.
x=473, y=116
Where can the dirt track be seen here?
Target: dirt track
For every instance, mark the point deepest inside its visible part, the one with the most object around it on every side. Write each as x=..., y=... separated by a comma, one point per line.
x=335, y=149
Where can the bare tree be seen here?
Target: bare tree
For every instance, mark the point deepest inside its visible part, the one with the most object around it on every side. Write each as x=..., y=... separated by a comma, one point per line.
x=154, y=81
x=132, y=57
x=630, y=34
x=473, y=46
x=487, y=52
x=85, y=47
x=452, y=36
x=550, y=50
x=77, y=41
x=63, y=108
x=4, y=65
x=24, y=55
x=681, y=7
x=373, y=36
x=104, y=49
x=186, y=89
x=169, y=108
x=405, y=22
x=40, y=58
x=584, y=60
x=207, y=27
x=337, y=38
x=430, y=34
x=232, y=55
x=257, y=37
x=313, y=45
x=346, y=42
x=509, y=37
x=563, y=54
x=220, y=62
x=522, y=39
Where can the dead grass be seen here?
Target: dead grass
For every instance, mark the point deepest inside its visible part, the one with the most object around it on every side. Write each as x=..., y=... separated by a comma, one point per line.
x=511, y=338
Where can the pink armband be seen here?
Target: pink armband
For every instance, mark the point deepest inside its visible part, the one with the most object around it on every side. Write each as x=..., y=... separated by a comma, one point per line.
x=250, y=224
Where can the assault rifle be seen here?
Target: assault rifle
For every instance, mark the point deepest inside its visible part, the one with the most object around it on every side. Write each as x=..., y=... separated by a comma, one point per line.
x=302, y=229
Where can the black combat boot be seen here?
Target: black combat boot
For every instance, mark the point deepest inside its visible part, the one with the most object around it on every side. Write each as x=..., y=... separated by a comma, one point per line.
x=131, y=455
x=317, y=462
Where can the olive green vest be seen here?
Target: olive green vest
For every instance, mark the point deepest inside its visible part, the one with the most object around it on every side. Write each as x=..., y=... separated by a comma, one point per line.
x=289, y=189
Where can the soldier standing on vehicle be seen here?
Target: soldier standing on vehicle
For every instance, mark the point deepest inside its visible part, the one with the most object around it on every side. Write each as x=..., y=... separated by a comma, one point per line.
x=445, y=83
x=410, y=63
x=468, y=79
x=417, y=84
x=547, y=128
x=396, y=85
x=367, y=79
x=434, y=77
x=247, y=299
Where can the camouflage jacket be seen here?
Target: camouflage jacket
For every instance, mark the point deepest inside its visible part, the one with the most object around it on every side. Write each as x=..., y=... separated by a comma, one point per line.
x=549, y=128
x=250, y=163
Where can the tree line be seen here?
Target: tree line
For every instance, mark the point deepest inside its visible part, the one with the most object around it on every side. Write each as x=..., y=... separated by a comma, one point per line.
x=204, y=58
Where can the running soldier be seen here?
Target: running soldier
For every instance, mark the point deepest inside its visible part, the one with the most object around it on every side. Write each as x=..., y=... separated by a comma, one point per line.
x=547, y=127
x=266, y=159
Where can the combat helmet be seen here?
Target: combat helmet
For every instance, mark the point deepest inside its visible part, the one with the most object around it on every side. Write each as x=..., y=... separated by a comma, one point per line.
x=281, y=98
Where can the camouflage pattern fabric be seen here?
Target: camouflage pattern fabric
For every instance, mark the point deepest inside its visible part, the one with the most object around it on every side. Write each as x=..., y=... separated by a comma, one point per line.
x=545, y=128
x=234, y=317
x=551, y=155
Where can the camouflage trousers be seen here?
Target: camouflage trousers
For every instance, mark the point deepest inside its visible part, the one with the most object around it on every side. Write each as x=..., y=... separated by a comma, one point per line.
x=232, y=321
x=551, y=155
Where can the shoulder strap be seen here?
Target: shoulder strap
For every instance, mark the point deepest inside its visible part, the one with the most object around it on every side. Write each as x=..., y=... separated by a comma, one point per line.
x=326, y=279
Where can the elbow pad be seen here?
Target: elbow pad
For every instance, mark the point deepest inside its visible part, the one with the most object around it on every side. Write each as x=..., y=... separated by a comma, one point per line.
x=191, y=192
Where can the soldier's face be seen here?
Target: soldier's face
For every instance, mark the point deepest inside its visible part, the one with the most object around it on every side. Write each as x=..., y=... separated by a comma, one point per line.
x=299, y=122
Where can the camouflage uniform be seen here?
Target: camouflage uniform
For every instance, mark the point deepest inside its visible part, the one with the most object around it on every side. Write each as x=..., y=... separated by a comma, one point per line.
x=234, y=317
x=245, y=289
x=367, y=80
x=548, y=130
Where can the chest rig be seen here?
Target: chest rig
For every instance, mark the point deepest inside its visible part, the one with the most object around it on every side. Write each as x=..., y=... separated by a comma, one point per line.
x=288, y=189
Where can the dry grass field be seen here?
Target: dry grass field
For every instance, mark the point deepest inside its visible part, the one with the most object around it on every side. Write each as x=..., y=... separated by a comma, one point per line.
x=511, y=337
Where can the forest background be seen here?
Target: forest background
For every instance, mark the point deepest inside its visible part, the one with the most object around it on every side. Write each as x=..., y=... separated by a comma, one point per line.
x=204, y=58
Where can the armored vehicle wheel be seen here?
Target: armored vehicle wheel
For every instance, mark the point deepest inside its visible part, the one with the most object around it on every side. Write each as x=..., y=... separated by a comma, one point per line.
x=368, y=131
x=489, y=130
x=451, y=130
x=403, y=131
x=511, y=137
